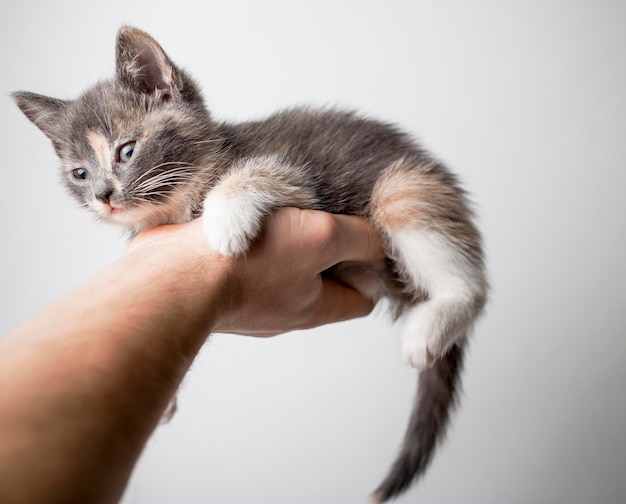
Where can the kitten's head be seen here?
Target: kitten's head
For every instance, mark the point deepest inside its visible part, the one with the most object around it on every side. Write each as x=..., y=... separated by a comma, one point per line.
x=129, y=147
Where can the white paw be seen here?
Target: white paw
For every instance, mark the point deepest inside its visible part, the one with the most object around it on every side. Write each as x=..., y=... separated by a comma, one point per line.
x=416, y=353
x=422, y=339
x=230, y=224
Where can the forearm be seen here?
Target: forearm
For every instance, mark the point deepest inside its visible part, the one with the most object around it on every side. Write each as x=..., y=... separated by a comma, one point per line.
x=80, y=399
x=84, y=383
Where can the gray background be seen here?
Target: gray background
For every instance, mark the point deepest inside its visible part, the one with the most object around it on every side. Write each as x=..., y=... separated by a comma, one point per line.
x=526, y=100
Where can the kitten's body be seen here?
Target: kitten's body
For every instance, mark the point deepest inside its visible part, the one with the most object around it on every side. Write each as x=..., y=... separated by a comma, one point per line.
x=142, y=150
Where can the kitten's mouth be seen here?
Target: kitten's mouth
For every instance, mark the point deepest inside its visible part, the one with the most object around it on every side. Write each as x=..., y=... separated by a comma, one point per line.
x=108, y=209
x=116, y=209
x=125, y=215
x=112, y=211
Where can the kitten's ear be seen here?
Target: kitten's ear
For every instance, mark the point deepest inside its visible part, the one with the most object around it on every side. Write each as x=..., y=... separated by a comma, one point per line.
x=44, y=111
x=143, y=65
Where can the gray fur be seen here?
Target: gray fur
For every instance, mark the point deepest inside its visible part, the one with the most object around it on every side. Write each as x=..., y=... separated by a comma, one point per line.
x=323, y=159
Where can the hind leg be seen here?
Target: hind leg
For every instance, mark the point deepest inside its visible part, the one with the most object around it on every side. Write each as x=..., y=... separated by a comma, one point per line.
x=454, y=295
x=428, y=224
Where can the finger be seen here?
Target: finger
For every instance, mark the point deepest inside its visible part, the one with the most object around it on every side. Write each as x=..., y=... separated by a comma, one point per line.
x=338, y=302
x=150, y=236
x=356, y=239
x=257, y=334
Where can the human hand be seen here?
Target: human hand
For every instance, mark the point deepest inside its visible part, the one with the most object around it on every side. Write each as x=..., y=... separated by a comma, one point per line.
x=277, y=285
x=121, y=342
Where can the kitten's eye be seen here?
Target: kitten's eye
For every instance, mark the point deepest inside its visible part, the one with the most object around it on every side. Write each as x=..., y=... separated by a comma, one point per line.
x=80, y=173
x=126, y=152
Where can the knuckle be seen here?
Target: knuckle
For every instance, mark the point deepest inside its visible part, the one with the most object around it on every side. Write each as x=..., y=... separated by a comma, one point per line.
x=326, y=229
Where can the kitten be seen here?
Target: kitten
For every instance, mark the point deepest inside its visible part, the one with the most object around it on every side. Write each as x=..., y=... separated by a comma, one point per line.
x=141, y=150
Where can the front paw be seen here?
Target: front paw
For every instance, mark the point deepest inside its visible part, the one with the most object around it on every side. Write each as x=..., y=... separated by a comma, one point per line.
x=230, y=224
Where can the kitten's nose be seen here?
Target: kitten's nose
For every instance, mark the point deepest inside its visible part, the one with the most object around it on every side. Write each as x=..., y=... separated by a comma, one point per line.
x=105, y=196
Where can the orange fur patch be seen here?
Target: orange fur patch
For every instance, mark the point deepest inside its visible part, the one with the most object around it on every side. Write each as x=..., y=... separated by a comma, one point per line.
x=417, y=196
x=401, y=197
x=101, y=148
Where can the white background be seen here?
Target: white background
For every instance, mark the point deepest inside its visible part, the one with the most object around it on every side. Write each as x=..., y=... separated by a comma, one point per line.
x=525, y=100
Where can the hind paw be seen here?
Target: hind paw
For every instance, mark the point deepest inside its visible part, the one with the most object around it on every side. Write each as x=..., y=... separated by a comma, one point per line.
x=424, y=339
x=416, y=353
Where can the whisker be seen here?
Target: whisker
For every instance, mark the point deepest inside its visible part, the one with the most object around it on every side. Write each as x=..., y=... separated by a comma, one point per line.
x=213, y=140
x=180, y=164
x=148, y=198
x=172, y=172
x=144, y=196
x=170, y=179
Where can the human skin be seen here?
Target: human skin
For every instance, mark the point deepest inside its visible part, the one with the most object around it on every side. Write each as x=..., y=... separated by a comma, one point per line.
x=84, y=383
